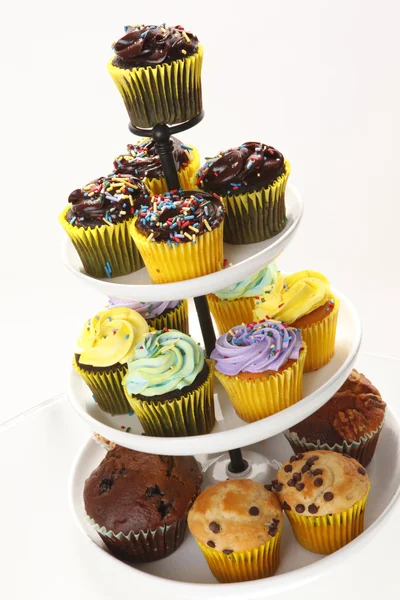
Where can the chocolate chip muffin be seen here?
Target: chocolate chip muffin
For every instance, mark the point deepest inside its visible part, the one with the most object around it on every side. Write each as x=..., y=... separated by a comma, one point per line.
x=138, y=503
x=323, y=494
x=237, y=524
x=349, y=423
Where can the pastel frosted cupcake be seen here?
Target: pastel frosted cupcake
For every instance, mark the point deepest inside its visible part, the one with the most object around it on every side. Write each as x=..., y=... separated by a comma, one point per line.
x=170, y=386
x=238, y=525
x=261, y=367
x=159, y=315
x=106, y=344
x=97, y=221
x=323, y=495
x=142, y=160
x=349, y=423
x=251, y=180
x=304, y=300
x=235, y=304
x=138, y=503
x=157, y=70
x=180, y=236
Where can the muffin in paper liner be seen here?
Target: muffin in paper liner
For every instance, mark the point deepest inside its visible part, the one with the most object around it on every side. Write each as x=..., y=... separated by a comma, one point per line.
x=189, y=414
x=228, y=313
x=255, y=396
x=105, y=251
x=363, y=450
x=245, y=565
x=326, y=534
x=185, y=176
x=176, y=318
x=161, y=94
x=106, y=387
x=258, y=215
x=320, y=340
x=168, y=263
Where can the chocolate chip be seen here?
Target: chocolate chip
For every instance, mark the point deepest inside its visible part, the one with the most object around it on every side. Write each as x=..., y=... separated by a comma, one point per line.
x=328, y=496
x=292, y=459
x=305, y=468
x=299, y=456
x=300, y=508
x=296, y=476
x=318, y=482
x=299, y=486
x=288, y=468
x=291, y=483
x=310, y=461
x=153, y=490
x=106, y=485
x=163, y=508
x=268, y=487
x=278, y=487
x=285, y=505
x=215, y=528
x=272, y=531
x=313, y=509
x=274, y=482
x=317, y=472
x=226, y=551
x=362, y=471
x=275, y=522
x=254, y=511
x=211, y=544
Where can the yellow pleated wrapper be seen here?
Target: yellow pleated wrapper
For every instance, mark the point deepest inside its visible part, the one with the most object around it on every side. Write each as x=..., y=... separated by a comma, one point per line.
x=246, y=565
x=106, y=388
x=104, y=245
x=185, y=176
x=326, y=534
x=190, y=414
x=177, y=318
x=166, y=264
x=162, y=94
x=265, y=395
x=256, y=216
x=320, y=340
x=228, y=313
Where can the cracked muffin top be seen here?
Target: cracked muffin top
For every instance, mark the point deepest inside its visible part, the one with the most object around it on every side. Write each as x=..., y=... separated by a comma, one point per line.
x=133, y=491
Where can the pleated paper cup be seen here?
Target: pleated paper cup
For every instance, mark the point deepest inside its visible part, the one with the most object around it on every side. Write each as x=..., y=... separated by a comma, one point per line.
x=246, y=565
x=320, y=340
x=167, y=263
x=228, y=313
x=256, y=216
x=189, y=414
x=105, y=251
x=162, y=94
x=326, y=534
x=106, y=388
x=260, y=395
x=177, y=318
x=159, y=186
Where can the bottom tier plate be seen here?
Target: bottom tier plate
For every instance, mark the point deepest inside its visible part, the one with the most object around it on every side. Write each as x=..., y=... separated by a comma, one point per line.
x=185, y=574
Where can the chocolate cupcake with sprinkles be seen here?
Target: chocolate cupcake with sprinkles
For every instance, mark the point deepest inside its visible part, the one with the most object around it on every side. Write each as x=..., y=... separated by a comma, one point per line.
x=97, y=221
x=180, y=235
x=251, y=180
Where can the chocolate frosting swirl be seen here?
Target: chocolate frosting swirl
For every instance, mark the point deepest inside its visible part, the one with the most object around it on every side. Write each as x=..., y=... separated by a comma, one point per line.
x=142, y=160
x=112, y=199
x=149, y=45
x=180, y=217
x=249, y=166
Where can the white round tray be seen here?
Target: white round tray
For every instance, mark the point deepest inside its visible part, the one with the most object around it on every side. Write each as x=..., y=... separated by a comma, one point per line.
x=246, y=259
x=185, y=574
x=230, y=431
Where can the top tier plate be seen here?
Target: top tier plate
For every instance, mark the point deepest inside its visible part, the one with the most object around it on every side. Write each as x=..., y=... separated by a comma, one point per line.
x=243, y=260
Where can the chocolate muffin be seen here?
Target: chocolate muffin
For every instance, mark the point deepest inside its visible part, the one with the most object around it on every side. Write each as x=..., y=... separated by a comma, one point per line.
x=349, y=423
x=138, y=503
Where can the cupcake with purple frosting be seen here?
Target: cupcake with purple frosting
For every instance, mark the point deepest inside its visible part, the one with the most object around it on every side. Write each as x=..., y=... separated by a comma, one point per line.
x=261, y=367
x=160, y=315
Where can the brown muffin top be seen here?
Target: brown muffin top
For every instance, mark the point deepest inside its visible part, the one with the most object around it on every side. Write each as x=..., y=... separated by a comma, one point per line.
x=354, y=411
x=235, y=515
x=132, y=491
x=320, y=483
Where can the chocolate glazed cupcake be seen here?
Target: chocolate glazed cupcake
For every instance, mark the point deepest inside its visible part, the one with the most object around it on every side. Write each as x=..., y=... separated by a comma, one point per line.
x=251, y=180
x=138, y=503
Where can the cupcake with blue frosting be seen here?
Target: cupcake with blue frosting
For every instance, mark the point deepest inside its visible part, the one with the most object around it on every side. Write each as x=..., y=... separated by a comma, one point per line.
x=159, y=315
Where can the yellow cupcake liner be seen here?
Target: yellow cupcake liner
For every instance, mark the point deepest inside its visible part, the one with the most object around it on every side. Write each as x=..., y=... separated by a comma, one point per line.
x=326, y=534
x=190, y=414
x=228, y=313
x=107, y=388
x=185, y=176
x=246, y=565
x=105, y=251
x=265, y=395
x=166, y=264
x=162, y=94
x=256, y=216
x=177, y=318
x=320, y=340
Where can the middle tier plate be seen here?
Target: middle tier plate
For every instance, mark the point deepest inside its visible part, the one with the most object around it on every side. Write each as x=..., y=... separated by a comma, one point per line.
x=229, y=431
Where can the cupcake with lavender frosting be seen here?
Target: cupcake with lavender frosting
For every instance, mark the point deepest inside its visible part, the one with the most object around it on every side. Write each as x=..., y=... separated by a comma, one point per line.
x=261, y=367
x=159, y=315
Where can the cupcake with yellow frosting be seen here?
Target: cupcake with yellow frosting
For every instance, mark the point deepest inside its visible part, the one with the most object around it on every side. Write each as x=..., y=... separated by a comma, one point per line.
x=304, y=300
x=107, y=343
x=172, y=315
x=170, y=385
x=235, y=304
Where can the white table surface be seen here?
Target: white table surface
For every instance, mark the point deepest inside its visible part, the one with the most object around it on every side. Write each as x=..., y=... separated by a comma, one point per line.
x=44, y=555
